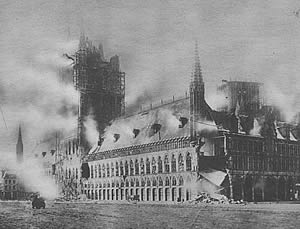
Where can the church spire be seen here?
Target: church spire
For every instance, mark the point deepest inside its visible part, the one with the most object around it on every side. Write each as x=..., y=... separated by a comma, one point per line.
x=197, y=68
x=19, y=147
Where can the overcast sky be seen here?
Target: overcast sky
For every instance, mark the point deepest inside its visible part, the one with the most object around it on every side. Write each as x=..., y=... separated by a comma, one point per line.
x=253, y=40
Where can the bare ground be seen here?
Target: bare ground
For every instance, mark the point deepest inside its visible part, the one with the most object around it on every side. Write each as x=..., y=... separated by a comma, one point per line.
x=143, y=215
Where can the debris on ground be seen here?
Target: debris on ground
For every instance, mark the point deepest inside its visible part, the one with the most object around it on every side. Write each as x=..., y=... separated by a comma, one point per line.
x=215, y=198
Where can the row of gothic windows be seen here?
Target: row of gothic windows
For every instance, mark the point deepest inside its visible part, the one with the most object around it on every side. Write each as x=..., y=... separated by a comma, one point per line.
x=71, y=173
x=140, y=167
x=136, y=182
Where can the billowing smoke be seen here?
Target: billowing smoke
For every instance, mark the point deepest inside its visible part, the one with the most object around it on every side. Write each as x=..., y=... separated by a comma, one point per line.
x=91, y=132
x=34, y=95
x=31, y=175
x=206, y=128
x=287, y=103
x=256, y=128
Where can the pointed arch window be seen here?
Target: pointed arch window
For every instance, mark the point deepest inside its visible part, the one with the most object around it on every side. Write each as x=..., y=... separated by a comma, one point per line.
x=154, y=182
x=174, y=181
x=132, y=182
x=147, y=166
x=99, y=170
x=108, y=170
x=92, y=172
x=167, y=164
x=148, y=182
x=159, y=165
x=173, y=164
x=126, y=168
x=142, y=167
x=131, y=168
x=112, y=169
x=117, y=169
x=160, y=181
x=137, y=167
x=121, y=169
x=188, y=162
x=180, y=163
x=143, y=182
x=153, y=165
x=167, y=182
x=180, y=181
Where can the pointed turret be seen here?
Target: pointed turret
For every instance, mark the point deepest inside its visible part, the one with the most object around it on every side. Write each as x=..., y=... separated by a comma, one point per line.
x=19, y=147
x=197, y=101
x=197, y=68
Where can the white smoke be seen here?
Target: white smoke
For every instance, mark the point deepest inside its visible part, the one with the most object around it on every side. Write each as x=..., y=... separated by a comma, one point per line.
x=31, y=175
x=91, y=132
x=287, y=103
x=256, y=128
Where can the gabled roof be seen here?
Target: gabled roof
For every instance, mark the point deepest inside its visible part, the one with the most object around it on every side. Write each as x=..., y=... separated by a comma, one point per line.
x=150, y=126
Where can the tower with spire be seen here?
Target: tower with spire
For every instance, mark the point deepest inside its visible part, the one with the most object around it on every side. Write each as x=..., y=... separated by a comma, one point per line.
x=198, y=105
x=19, y=147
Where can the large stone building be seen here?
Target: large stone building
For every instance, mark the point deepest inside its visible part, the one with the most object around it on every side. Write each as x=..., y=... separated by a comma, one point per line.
x=181, y=148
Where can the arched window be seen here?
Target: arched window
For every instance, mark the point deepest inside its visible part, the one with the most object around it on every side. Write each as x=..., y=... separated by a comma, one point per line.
x=160, y=181
x=76, y=175
x=159, y=165
x=127, y=183
x=153, y=165
x=180, y=181
x=148, y=182
x=92, y=172
x=180, y=163
x=112, y=169
x=143, y=182
x=147, y=166
x=173, y=164
x=96, y=171
x=167, y=182
x=107, y=169
x=103, y=170
x=142, y=167
x=117, y=184
x=126, y=168
x=108, y=184
x=104, y=184
x=131, y=168
x=167, y=164
x=100, y=185
x=137, y=183
x=154, y=182
x=132, y=182
x=174, y=181
x=99, y=170
x=121, y=169
x=117, y=169
x=137, y=167
x=113, y=184
x=73, y=172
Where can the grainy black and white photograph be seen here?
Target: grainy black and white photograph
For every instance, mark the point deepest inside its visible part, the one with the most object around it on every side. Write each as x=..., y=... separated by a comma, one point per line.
x=149, y=114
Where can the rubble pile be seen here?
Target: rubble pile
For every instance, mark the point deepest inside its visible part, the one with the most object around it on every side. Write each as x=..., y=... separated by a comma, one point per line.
x=215, y=199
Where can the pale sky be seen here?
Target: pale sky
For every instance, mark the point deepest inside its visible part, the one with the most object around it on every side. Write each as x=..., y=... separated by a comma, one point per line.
x=252, y=40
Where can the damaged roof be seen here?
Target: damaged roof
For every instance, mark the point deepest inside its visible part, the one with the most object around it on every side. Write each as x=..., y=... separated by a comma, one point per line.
x=164, y=122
